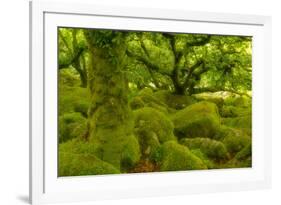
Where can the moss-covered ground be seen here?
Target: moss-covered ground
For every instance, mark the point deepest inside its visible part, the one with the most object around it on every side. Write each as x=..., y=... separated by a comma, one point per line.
x=170, y=133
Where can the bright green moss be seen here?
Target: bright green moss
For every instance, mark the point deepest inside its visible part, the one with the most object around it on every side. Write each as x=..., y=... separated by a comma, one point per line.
x=149, y=120
x=197, y=120
x=211, y=148
x=83, y=164
x=176, y=157
x=76, y=158
x=71, y=125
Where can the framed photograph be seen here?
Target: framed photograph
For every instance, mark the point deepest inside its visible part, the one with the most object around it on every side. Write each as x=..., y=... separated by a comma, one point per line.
x=130, y=102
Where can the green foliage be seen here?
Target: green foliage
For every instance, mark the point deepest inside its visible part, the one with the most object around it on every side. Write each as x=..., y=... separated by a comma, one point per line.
x=176, y=157
x=213, y=149
x=150, y=122
x=71, y=125
x=197, y=120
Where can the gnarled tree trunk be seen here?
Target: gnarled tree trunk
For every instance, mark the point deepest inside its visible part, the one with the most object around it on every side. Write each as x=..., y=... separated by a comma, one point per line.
x=110, y=117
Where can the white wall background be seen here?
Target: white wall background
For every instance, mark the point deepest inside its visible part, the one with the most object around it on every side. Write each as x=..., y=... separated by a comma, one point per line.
x=14, y=100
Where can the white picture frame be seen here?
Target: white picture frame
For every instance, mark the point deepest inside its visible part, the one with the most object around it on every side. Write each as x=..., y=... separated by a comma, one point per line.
x=46, y=187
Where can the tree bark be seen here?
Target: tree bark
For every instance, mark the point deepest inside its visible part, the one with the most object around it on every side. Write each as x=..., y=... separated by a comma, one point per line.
x=110, y=118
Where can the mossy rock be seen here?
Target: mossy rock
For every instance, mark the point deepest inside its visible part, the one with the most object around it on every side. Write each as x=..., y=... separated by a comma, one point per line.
x=242, y=159
x=69, y=77
x=71, y=125
x=176, y=157
x=208, y=162
x=137, y=103
x=82, y=107
x=76, y=159
x=245, y=153
x=244, y=122
x=234, y=111
x=234, y=139
x=146, y=98
x=238, y=101
x=213, y=149
x=210, y=97
x=151, y=123
x=148, y=141
x=121, y=151
x=73, y=99
x=197, y=120
x=174, y=101
x=130, y=153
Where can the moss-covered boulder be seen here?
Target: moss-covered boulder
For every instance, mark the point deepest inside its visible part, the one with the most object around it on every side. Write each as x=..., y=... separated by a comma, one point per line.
x=146, y=98
x=242, y=158
x=71, y=125
x=73, y=99
x=175, y=157
x=216, y=98
x=234, y=111
x=234, y=139
x=151, y=123
x=121, y=151
x=244, y=122
x=197, y=120
x=173, y=100
x=76, y=158
x=213, y=149
x=207, y=161
x=238, y=101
